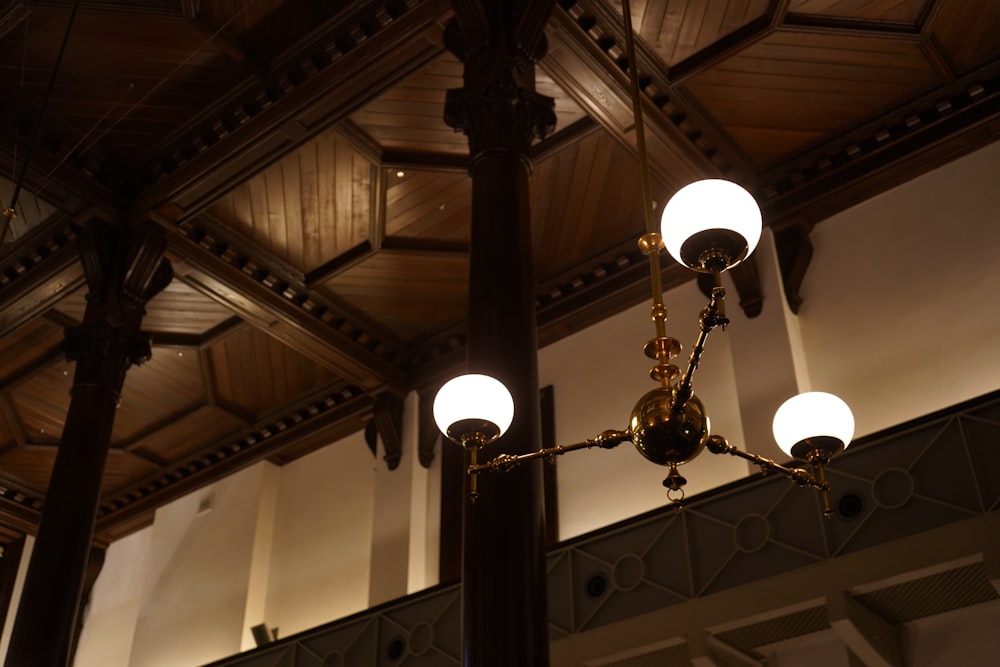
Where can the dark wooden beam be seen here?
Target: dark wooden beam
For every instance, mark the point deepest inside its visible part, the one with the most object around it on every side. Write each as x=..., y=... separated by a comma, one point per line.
x=318, y=85
x=584, y=50
x=291, y=313
x=38, y=271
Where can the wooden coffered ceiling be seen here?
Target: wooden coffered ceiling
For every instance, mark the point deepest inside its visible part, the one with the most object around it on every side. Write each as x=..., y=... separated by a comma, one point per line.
x=318, y=206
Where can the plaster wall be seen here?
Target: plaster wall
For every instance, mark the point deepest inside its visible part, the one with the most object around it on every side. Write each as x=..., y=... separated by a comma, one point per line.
x=197, y=574
x=900, y=303
x=321, y=558
x=109, y=626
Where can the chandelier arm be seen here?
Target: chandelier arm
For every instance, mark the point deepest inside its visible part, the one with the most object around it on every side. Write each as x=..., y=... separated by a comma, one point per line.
x=719, y=445
x=712, y=316
x=506, y=462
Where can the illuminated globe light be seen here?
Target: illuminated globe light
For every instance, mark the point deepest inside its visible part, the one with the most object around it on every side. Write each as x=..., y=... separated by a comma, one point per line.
x=712, y=213
x=812, y=416
x=473, y=404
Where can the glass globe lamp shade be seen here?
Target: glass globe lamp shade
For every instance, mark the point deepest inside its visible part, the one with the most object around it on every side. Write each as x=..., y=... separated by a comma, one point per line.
x=473, y=405
x=712, y=214
x=814, y=416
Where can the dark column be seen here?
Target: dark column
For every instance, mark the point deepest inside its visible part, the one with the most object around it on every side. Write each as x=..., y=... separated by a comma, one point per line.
x=504, y=610
x=124, y=270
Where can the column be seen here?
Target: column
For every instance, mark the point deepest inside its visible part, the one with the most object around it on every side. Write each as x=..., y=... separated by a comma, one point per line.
x=124, y=269
x=504, y=610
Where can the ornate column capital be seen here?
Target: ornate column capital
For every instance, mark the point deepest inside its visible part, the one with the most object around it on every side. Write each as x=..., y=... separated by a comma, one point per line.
x=498, y=107
x=124, y=270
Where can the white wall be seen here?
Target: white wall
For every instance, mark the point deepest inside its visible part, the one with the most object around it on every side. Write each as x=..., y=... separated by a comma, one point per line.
x=900, y=306
x=322, y=539
x=109, y=626
x=197, y=575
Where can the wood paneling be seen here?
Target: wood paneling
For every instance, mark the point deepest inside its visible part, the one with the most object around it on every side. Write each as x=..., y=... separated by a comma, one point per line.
x=677, y=29
x=24, y=347
x=414, y=294
x=791, y=89
x=307, y=208
x=123, y=467
x=889, y=11
x=42, y=400
x=409, y=117
x=178, y=309
x=170, y=383
x=584, y=199
x=258, y=374
x=29, y=467
x=968, y=31
x=432, y=205
x=189, y=434
x=183, y=310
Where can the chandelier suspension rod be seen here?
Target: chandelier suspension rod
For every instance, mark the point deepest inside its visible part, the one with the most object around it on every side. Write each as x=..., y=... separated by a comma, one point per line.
x=652, y=250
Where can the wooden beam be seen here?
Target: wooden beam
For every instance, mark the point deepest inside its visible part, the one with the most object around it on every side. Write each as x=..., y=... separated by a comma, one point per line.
x=317, y=86
x=682, y=145
x=315, y=331
x=38, y=272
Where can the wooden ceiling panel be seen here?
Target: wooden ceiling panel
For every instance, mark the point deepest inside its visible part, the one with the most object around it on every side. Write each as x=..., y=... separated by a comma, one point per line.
x=257, y=374
x=409, y=116
x=9, y=431
x=412, y=293
x=885, y=11
x=169, y=384
x=567, y=110
x=307, y=208
x=42, y=401
x=179, y=309
x=122, y=468
x=183, y=310
x=968, y=31
x=188, y=434
x=29, y=466
x=791, y=89
x=584, y=199
x=156, y=70
x=23, y=348
x=677, y=29
x=433, y=205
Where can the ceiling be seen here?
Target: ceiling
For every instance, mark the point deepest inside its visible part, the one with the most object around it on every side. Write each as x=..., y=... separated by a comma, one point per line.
x=318, y=206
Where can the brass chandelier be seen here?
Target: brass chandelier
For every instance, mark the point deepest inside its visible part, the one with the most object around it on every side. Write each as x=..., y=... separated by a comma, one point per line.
x=709, y=226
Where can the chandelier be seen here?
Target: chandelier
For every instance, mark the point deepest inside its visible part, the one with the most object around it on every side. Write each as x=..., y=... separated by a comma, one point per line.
x=709, y=226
